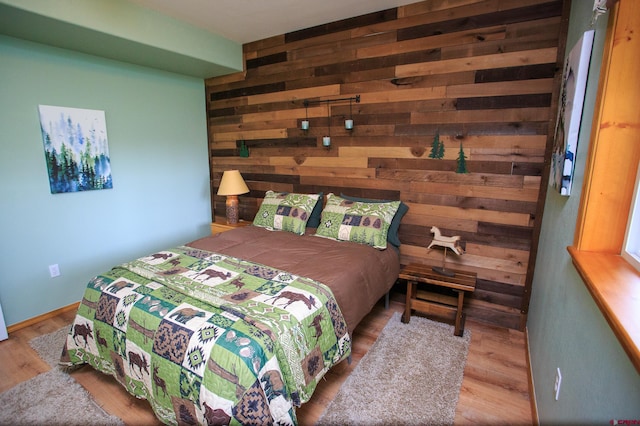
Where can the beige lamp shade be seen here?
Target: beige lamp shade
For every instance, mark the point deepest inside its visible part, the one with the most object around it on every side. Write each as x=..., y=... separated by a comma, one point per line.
x=232, y=183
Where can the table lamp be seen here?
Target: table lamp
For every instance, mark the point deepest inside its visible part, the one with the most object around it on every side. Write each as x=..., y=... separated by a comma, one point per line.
x=232, y=185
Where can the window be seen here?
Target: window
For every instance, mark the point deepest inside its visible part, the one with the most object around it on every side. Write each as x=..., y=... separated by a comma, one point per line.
x=631, y=250
x=610, y=183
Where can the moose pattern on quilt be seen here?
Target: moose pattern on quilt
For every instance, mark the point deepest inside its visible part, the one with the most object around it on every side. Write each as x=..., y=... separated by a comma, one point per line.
x=208, y=338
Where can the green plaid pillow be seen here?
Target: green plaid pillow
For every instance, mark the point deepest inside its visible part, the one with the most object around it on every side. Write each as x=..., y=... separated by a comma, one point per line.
x=285, y=211
x=359, y=222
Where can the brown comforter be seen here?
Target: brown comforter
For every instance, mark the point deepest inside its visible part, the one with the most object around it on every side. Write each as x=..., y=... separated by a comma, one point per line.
x=357, y=274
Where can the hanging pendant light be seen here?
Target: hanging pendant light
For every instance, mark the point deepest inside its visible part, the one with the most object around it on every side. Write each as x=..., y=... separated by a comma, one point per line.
x=326, y=140
x=348, y=123
x=305, y=123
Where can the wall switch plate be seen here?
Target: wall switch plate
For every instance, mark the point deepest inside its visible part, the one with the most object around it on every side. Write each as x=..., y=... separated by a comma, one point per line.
x=54, y=270
x=556, y=387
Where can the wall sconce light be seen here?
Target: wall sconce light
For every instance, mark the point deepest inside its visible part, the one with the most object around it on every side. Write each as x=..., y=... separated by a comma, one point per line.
x=232, y=185
x=348, y=123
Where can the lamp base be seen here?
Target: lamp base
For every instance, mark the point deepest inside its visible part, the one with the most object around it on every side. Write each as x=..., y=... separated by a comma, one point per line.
x=232, y=209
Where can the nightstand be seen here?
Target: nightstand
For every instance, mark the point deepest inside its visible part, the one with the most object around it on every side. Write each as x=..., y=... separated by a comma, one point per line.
x=220, y=225
x=433, y=303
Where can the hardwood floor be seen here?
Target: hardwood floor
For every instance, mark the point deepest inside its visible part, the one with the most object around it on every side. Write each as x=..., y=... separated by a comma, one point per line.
x=495, y=388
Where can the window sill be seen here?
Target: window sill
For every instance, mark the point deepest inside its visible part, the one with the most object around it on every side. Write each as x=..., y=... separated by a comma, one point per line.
x=615, y=286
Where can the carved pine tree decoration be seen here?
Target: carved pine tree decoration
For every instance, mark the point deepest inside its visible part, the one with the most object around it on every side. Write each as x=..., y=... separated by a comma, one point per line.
x=437, y=147
x=462, y=161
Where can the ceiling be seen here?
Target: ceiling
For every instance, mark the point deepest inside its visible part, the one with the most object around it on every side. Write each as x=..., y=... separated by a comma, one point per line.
x=245, y=21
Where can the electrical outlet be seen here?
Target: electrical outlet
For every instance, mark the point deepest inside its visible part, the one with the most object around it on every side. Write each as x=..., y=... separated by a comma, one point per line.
x=54, y=270
x=556, y=387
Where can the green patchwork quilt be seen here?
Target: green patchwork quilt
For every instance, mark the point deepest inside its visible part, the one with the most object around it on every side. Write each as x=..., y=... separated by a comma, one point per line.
x=208, y=338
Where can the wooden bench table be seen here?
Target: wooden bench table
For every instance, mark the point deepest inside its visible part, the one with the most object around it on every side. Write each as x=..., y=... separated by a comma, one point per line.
x=433, y=303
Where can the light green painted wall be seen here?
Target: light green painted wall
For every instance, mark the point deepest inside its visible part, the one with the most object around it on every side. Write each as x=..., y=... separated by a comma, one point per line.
x=156, y=124
x=127, y=20
x=124, y=31
x=566, y=328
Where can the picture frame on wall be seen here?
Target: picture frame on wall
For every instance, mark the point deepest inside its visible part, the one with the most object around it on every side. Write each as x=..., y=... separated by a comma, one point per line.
x=76, y=148
x=567, y=128
x=3, y=327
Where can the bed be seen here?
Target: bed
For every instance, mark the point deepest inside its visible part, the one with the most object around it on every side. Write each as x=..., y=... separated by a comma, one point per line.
x=238, y=327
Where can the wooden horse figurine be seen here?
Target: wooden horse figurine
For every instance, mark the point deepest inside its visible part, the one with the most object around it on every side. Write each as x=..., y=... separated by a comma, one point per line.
x=452, y=243
x=447, y=242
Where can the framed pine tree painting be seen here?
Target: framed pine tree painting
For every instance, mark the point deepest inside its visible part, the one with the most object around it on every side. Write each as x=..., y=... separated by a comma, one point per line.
x=76, y=148
x=574, y=82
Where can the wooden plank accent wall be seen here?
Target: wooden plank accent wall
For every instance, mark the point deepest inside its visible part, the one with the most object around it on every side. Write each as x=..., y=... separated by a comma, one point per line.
x=483, y=74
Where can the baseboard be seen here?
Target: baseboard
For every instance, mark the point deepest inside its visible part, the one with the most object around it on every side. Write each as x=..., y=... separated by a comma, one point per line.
x=26, y=323
x=532, y=388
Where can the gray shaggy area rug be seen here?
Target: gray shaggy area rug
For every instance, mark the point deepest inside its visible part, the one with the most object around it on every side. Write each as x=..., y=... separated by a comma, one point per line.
x=49, y=346
x=411, y=376
x=54, y=397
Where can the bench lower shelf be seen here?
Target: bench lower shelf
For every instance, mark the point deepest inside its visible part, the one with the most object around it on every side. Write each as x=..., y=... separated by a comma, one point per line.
x=434, y=303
